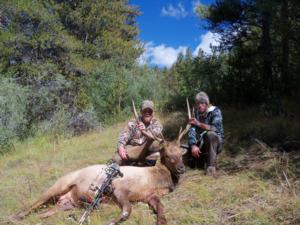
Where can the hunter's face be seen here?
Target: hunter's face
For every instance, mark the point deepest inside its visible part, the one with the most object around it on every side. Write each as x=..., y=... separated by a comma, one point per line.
x=202, y=107
x=147, y=115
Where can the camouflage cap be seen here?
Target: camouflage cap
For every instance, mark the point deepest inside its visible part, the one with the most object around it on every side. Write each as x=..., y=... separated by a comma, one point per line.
x=202, y=97
x=147, y=104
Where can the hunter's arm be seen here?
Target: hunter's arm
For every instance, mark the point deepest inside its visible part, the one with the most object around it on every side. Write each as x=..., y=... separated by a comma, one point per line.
x=204, y=126
x=216, y=122
x=125, y=136
x=192, y=136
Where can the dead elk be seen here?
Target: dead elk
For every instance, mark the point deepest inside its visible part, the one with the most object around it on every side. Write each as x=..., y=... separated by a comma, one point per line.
x=144, y=184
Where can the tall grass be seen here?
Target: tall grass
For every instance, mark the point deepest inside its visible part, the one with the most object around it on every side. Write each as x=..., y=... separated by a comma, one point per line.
x=242, y=194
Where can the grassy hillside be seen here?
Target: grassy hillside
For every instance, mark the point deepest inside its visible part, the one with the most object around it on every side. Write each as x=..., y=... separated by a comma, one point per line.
x=251, y=187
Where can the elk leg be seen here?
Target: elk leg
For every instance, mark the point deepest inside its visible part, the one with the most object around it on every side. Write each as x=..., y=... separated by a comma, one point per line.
x=122, y=200
x=158, y=208
x=63, y=204
x=48, y=213
x=58, y=189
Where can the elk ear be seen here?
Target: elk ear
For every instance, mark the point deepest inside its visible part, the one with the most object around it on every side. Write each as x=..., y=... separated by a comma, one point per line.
x=183, y=151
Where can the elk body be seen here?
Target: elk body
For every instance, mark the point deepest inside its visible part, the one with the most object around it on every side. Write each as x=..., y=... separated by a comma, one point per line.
x=144, y=184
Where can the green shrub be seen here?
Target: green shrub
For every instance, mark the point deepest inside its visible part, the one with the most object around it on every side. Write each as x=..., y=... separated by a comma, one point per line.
x=111, y=88
x=146, y=83
x=13, y=106
x=106, y=89
x=48, y=95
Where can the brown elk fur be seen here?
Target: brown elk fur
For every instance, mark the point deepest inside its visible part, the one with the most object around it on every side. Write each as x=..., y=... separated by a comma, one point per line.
x=144, y=184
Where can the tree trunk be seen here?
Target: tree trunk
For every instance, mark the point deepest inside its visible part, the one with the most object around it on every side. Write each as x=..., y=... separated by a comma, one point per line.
x=285, y=79
x=267, y=53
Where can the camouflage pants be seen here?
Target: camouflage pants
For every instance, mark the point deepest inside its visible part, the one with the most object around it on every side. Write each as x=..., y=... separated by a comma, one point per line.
x=142, y=155
x=212, y=146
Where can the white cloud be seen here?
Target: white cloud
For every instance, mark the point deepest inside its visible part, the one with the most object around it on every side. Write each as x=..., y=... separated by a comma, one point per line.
x=178, y=11
x=160, y=55
x=165, y=56
x=207, y=40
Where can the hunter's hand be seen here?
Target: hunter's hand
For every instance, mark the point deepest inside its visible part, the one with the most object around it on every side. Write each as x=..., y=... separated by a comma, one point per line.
x=123, y=153
x=141, y=126
x=196, y=151
x=194, y=121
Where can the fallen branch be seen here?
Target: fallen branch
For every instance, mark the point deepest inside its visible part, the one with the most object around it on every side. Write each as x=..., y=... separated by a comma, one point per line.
x=288, y=183
x=232, y=216
x=262, y=144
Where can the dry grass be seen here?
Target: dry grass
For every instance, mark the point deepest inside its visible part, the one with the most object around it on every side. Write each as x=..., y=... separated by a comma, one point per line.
x=250, y=188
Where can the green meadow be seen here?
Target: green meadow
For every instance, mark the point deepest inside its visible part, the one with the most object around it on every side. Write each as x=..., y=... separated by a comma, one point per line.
x=257, y=185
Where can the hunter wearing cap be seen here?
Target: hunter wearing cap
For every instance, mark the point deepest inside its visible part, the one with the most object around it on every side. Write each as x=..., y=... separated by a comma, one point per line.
x=133, y=147
x=206, y=136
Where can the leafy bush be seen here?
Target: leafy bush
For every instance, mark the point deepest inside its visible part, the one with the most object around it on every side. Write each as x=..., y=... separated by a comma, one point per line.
x=13, y=105
x=146, y=83
x=65, y=122
x=111, y=89
x=106, y=89
x=81, y=122
x=49, y=94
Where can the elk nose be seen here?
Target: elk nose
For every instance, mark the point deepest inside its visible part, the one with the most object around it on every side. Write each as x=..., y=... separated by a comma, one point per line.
x=181, y=169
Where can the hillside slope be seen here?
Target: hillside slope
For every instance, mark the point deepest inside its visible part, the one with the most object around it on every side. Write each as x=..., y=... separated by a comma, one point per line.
x=251, y=187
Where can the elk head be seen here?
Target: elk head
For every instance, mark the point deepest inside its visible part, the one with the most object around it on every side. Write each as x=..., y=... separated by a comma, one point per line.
x=171, y=153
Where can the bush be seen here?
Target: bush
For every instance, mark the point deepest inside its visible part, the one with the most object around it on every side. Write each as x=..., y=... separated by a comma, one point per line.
x=106, y=89
x=48, y=95
x=13, y=105
x=146, y=83
x=81, y=122
x=111, y=89
x=65, y=122
x=44, y=106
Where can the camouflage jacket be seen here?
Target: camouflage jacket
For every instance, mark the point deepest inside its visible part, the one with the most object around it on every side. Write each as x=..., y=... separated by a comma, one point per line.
x=131, y=135
x=212, y=117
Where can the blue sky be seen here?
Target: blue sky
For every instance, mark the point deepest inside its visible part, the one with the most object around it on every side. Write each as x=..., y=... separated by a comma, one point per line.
x=169, y=27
